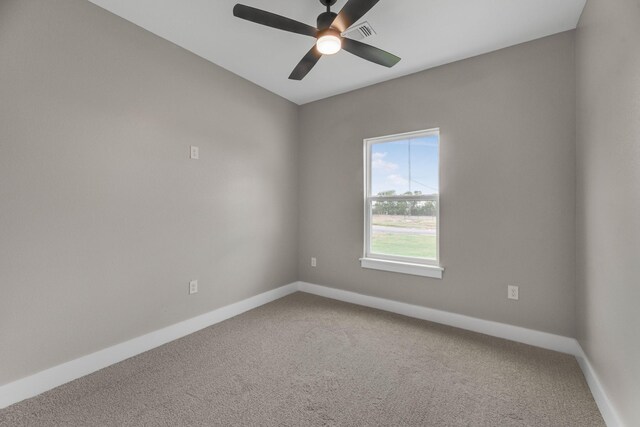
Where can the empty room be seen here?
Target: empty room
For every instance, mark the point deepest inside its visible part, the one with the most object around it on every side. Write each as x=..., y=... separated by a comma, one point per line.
x=320, y=213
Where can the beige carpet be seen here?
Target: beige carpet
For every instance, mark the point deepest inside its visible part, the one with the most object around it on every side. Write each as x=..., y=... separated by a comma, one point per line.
x=306, y=360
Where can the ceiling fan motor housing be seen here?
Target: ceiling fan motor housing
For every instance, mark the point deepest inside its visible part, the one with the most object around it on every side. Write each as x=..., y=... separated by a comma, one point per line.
x=325, y=20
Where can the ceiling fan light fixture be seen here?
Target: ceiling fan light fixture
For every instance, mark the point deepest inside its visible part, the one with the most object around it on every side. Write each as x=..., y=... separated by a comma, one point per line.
x=329, y=42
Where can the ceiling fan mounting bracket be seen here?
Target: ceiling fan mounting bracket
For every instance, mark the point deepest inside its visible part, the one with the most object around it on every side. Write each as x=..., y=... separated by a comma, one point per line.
x=328, y=2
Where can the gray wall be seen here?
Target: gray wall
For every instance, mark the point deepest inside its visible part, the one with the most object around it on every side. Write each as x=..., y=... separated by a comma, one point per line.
x=608, y=201
x=103, y=218
x=507, y=124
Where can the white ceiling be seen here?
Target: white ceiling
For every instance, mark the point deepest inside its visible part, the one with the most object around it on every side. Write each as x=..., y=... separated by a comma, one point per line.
x=424, y=33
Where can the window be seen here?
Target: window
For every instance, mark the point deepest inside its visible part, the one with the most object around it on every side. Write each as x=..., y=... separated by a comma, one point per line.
x=402, y=203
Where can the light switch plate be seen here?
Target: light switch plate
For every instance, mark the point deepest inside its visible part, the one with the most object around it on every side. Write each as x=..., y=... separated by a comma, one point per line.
x=195, y=152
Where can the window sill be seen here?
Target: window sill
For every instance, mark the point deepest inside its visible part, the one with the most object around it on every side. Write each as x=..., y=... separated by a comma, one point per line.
x=424, y=270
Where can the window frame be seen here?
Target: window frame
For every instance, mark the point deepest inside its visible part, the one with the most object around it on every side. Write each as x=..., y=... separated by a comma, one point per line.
x=408, y=265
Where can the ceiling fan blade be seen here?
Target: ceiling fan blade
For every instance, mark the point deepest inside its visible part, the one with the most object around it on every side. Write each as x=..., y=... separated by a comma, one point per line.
x=369, y=53
x=272, y=20
x=306, y=64
x=352, y=12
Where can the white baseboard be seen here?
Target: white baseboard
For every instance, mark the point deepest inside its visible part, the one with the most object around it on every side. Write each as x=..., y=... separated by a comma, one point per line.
x=500, y=330
x=608, y=411
x=488, y=327
x=53, y=377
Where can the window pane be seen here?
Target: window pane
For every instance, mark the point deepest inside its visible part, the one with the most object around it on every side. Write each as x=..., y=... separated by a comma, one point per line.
x=405, y=166
x=404, y=228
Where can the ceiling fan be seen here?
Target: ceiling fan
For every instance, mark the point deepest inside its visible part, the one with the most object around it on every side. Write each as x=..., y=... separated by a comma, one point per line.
x=328, y=33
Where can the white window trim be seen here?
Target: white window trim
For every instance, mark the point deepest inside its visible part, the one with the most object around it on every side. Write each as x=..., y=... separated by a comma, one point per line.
x=405, y=265
x=425, y=270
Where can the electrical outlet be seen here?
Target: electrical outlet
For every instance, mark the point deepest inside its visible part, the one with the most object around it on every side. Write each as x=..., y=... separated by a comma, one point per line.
x=512, y=292
x=195, y=153
x=193, y=287
x=314, y=262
